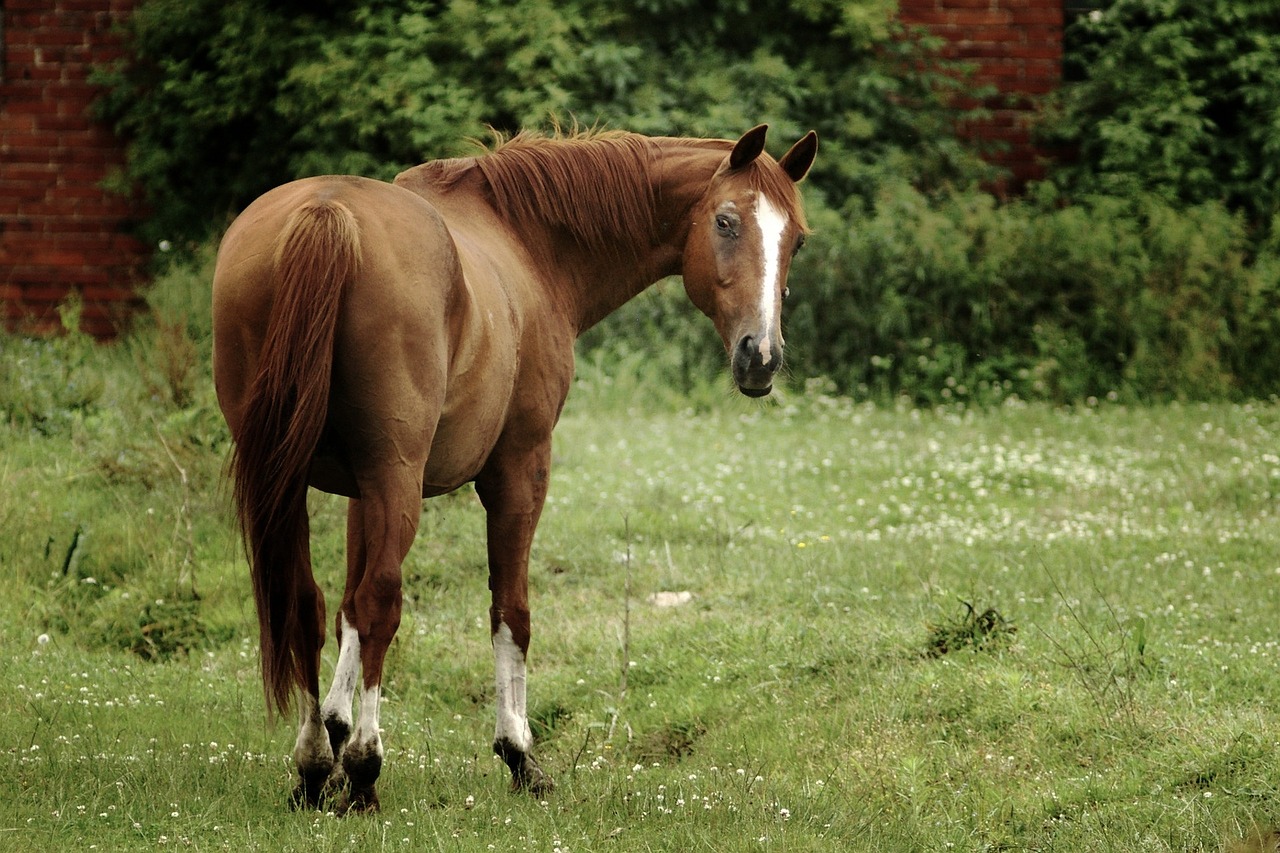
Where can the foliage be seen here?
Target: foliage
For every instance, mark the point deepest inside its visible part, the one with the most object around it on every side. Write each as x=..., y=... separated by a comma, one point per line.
x=196, y=104
x=135, y=420
x=220, y=101
x=956, y=297
x=962, y=298
x=659, y=339
x=28, y=397
x=1180, y=98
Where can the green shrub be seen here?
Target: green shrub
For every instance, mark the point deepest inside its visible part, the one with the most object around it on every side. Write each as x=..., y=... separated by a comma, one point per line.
x=659, y=339
x=959, y=298
x=1177, y=98
x=48, y=382
x=1149, y=269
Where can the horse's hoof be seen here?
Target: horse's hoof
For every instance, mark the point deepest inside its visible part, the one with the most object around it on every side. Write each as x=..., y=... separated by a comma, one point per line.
x=537, y=784
x=335, y=787
x=526, y=775
x=310, y=793
x=301, y=799
x=530, y=778
x=304, y=799
x=359, y=802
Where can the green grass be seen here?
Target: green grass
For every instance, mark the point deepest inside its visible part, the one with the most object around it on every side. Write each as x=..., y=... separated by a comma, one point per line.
x=1125, y=700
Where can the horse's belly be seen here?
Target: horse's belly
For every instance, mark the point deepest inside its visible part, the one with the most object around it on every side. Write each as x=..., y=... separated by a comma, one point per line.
x=461, y=445
x=450, y=466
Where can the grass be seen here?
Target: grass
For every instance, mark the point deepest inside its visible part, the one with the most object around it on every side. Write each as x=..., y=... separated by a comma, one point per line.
x=1029, y=628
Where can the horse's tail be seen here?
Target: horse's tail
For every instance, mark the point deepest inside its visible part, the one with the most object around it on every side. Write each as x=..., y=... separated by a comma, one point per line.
x=284, y=415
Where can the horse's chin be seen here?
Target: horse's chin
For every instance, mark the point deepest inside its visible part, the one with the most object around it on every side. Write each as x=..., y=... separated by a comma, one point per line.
x=756, y=392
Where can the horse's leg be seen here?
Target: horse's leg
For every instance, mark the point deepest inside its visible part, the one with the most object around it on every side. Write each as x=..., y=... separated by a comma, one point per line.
x=312, y=754
x=384, y=522
x=513, y=489
x=336, y=710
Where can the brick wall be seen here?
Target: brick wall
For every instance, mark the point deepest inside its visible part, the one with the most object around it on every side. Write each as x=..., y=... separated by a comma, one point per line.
x=1015, y=46
x=60, y=231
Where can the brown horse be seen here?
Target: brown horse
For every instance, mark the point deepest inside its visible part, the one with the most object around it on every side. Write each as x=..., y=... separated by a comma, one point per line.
x=390, y=342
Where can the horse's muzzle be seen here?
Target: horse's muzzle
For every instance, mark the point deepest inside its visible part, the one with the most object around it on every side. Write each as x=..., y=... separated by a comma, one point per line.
x=753, y=369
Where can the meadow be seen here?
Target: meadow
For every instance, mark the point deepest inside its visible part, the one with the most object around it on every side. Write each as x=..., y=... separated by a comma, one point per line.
x=805, y=624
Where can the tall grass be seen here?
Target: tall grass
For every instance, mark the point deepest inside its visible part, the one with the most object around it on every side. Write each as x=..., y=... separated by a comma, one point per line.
x=798, y=700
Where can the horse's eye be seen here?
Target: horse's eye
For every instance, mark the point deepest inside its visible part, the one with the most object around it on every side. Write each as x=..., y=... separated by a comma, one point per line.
x=723, y=225
x=799, y=246
x=786, y=293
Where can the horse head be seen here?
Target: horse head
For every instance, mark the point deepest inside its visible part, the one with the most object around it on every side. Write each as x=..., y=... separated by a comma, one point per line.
x=745, y=230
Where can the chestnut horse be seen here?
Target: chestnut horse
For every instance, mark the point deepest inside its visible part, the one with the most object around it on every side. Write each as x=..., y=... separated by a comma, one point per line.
x=390, y=342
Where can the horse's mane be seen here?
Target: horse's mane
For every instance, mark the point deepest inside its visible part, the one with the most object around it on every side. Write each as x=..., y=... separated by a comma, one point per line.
x=596, y=185
x=599, y=184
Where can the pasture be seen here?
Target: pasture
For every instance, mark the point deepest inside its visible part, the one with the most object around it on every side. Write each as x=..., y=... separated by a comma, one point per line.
x=1027, y=628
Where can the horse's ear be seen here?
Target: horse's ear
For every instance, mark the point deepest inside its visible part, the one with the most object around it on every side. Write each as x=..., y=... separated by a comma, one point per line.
x=797, y=161
x=748, y=148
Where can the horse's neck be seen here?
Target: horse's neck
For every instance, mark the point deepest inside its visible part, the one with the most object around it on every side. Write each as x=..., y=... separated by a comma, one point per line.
x=587, y=284
x=603, y=285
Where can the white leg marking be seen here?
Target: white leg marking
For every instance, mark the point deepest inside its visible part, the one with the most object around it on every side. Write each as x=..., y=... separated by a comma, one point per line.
x=337, y=703
x=772, y=228
x=509, y=668
x=367, y=732
x=311, y=749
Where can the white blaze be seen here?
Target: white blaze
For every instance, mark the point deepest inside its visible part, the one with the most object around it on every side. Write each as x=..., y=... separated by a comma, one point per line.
x=773, y=226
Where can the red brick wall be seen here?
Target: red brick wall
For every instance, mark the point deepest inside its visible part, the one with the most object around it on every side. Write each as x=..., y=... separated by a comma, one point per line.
x=60, y=231
x=1016, y=46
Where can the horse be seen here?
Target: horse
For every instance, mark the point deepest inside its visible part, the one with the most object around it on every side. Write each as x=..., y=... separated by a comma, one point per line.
x=390, y=342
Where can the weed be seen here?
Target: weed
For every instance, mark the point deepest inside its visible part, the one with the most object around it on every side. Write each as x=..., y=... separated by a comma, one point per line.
x=672, y=741
x=169, y=363
x=160, y=630
x=972, y=630
x=1109, y=658
x=49, y=383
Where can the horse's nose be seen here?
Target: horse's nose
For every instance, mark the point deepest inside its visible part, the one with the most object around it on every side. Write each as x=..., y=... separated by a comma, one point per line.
x=755, y=360
x=758, y=354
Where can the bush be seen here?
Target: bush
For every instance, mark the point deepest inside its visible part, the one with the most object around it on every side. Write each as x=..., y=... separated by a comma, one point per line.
x=130, y=438
x=47, y=383
x=658, y=338
x=965, y=299
x=1177, y=98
